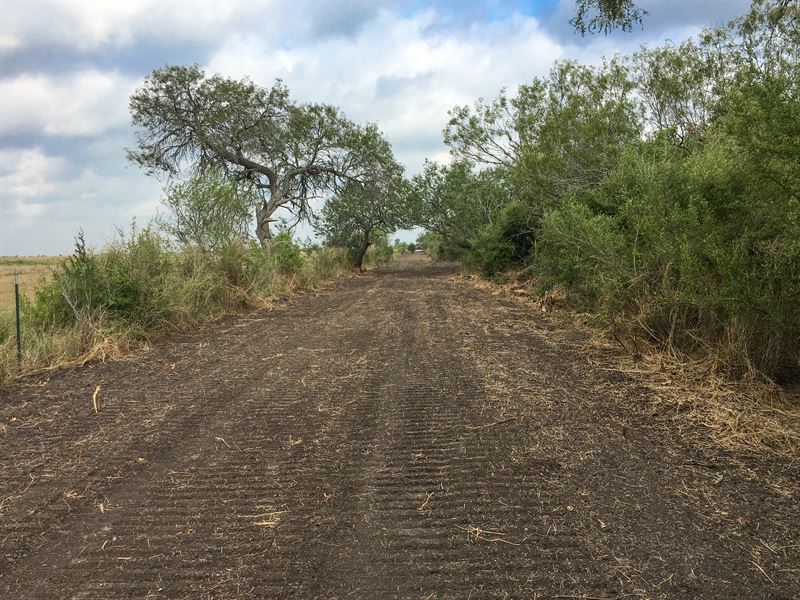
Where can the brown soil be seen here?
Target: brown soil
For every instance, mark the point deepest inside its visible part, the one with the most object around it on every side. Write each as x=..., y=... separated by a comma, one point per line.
x=401, y=435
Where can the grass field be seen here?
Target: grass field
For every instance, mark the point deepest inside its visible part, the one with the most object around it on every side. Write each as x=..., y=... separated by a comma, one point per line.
x=31, y=269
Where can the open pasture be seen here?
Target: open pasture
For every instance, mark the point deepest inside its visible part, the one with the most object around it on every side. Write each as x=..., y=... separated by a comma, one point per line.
x=31, y=269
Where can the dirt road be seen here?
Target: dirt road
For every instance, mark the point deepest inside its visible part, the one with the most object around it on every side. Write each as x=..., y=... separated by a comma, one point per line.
x=400, y=435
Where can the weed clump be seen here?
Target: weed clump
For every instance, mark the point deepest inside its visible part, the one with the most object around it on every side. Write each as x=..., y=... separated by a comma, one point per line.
x=98, y=304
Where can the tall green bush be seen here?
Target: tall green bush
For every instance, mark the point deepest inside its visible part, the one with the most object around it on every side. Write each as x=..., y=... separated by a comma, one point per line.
x=697, y=249
x=285, y=254
x=505, y=242
x=582, y=250
x=668, y=185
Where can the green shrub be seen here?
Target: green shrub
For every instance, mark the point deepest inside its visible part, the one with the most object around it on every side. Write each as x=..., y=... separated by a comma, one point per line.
x=286, y=255
x=379, y=252
x=581, y=250
x=209, y=211
x=140, y=285
x=76, y=288
x=134, y=272
x=504, y=243
x=440, y=247
x=322, y=264
x=699, y=252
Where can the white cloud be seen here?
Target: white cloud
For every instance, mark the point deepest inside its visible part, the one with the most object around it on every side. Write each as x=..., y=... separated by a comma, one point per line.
x=94, y=197
x=86, y=25
x=26, y=211
x=8, y=42
x=79, y=104
x=28, y=173
x=401, y=73
x=26, y=177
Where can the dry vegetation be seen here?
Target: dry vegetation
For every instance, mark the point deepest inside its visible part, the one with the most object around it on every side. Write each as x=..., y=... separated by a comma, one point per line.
x=96, y=307
x=753, y=416
x=452, y=443
x=31, y=269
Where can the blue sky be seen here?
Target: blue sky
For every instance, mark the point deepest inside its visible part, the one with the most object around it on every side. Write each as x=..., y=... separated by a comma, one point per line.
x=67, y=70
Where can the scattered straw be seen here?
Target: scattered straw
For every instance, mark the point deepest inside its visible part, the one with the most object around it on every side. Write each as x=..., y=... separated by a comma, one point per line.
x=268, y=519
x=760, y=568
x=756, y=417
x=94, y=398
x=753, y=416
x=424, y=505
x=486, y=535
x=501, y=422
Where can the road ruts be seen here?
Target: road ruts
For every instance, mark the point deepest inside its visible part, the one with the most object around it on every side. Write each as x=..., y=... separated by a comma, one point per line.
x=365, y=442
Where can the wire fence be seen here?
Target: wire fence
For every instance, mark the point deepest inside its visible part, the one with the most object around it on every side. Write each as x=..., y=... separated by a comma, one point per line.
x=28, y=280
x=19, y=285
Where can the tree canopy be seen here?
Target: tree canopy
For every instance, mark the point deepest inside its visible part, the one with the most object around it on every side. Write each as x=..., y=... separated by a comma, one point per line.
x=290, y=153
x=362, y=210
x=606, y=15
x=455, y=202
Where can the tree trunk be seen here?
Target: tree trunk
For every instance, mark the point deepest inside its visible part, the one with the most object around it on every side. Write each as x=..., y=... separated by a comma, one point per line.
x=263, y=220
x=359, y=258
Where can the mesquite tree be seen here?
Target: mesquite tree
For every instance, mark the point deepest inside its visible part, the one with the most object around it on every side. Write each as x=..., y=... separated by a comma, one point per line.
x=455, y=202
x=606, y=15
x=290, y=153
x=207, y=211
x=559, y=133
x=362, y=210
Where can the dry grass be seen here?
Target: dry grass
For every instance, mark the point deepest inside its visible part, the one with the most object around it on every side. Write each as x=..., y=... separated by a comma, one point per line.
x=32, y=270
x=96, y=339
x=753, y=416
x=83, y=343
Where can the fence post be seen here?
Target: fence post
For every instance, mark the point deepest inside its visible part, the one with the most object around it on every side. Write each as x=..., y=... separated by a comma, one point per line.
x=19, y=333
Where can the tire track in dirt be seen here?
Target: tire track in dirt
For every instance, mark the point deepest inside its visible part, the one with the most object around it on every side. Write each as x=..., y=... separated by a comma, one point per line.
x=400, y=436
x=179, y=426
x=667, y=516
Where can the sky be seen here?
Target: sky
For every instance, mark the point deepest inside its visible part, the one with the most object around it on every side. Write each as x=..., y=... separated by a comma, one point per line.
x=68, y=68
